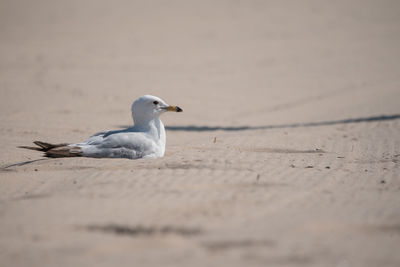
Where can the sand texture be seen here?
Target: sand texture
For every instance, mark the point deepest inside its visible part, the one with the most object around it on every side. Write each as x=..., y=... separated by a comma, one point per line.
x=287, y=152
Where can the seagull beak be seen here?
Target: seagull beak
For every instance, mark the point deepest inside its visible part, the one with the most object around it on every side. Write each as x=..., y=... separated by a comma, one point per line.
x=173, y=108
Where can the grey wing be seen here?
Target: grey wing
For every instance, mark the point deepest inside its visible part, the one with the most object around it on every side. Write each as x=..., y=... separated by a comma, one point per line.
x=99, y=137
x=119, y=145
x=128, y=140
x=95, y=139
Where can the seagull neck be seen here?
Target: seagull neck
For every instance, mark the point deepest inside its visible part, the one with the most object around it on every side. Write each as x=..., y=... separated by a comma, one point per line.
x=153, y=126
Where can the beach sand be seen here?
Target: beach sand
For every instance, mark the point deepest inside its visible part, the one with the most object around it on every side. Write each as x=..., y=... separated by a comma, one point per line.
x=287, y=152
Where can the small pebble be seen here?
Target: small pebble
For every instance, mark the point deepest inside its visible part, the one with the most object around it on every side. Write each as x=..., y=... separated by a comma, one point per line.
x=383, y=181
x=327, y=167
x=309, y=167
x=36, y=170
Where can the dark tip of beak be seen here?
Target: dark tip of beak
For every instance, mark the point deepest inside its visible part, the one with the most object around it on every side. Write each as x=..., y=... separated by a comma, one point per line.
x=178, y=109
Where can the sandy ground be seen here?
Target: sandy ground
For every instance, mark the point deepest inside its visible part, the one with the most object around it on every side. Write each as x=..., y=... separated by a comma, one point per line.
x=283, y=155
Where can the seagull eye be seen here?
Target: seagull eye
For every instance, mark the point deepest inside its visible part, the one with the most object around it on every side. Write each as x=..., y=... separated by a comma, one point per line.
x=155, y=102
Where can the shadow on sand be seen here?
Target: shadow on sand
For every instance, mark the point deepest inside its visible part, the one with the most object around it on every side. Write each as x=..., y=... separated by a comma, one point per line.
x=19, y=164
x=193, y=128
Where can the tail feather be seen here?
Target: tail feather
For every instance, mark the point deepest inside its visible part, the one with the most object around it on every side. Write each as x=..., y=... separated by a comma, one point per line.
x=55, y=150
x=47, y=146
x=64, y=151
x=32, y=148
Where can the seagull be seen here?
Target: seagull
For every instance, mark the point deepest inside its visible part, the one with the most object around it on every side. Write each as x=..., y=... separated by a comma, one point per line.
x=145, y=139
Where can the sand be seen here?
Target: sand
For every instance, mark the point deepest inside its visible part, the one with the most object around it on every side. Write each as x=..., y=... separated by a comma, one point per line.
x=287, y=152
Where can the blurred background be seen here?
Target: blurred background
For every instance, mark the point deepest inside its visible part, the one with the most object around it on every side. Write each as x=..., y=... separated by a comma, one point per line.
x=227, y=63
x=294, y=196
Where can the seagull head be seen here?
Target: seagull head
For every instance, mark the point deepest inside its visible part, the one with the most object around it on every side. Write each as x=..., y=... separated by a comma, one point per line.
x=148, y=107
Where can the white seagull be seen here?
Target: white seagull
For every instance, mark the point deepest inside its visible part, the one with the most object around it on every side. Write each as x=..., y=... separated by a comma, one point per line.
x=145, y=139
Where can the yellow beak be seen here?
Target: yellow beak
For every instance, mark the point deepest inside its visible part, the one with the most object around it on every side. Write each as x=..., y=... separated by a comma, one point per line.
x=173, y=108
